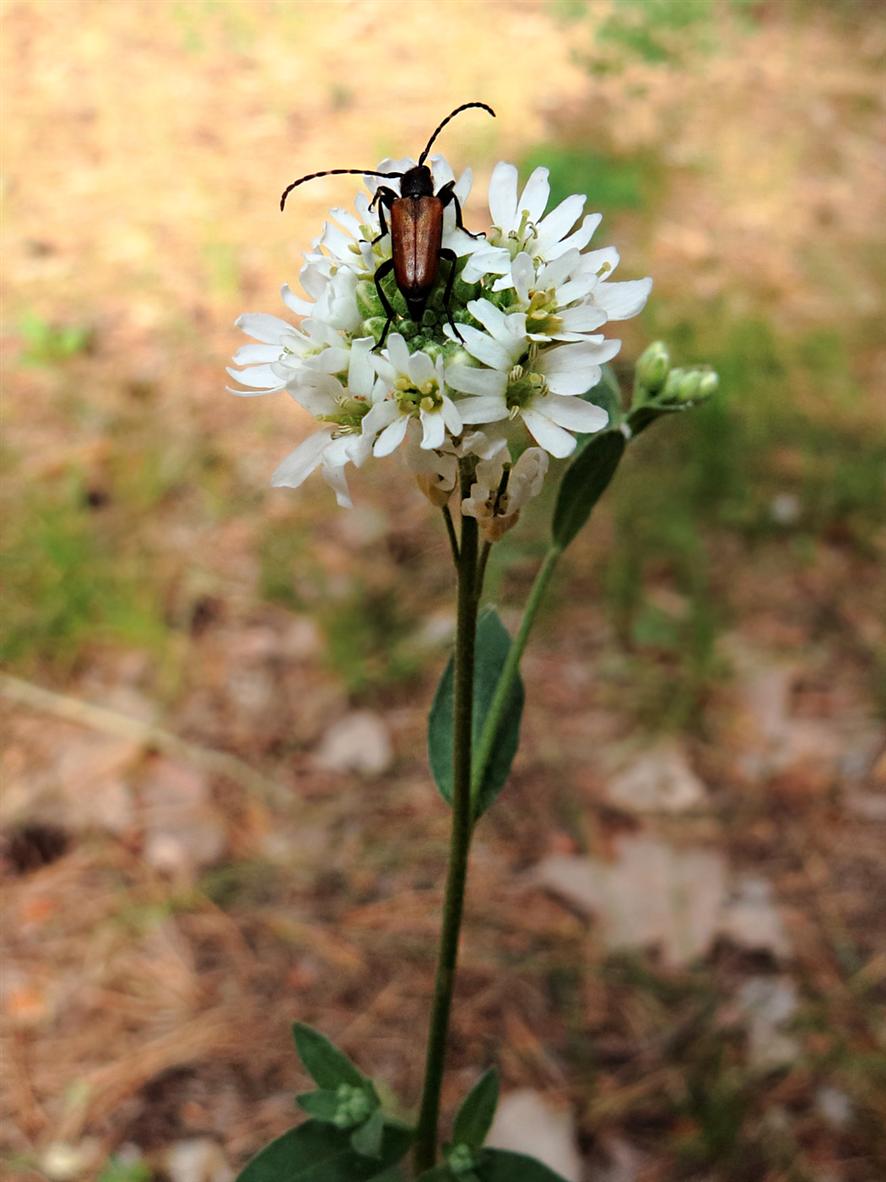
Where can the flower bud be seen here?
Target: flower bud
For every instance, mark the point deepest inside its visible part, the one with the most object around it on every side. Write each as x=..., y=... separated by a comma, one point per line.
x=368, y=303
x=652, y=367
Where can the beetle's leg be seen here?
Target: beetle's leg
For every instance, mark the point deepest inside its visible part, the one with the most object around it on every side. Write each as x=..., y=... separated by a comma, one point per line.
x=450, y=256
x=447, y=194
x=385, y=198
x=385, y=269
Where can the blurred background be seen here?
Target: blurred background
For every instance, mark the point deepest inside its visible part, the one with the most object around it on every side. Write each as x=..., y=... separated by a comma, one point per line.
x=216, y=811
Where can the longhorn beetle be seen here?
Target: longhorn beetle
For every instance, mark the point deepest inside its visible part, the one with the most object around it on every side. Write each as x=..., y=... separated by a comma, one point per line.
x=416, y=230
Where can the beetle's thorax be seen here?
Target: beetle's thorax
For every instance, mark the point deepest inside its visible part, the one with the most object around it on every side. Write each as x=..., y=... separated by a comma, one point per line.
x=417, y=182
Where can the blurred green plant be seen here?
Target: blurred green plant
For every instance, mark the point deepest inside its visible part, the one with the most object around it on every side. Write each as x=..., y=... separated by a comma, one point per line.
x=68, y=581
x=46, y=343
x=653, y=32
x=613, y=182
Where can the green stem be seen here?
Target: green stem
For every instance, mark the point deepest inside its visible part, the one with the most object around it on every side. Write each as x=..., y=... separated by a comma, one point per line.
x=450, y=533
x=512, y=666
x=460, y=840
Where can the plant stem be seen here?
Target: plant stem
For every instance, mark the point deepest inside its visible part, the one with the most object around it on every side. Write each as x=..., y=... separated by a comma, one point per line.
x=512, y=666
x=450, y=532
x=460, y=840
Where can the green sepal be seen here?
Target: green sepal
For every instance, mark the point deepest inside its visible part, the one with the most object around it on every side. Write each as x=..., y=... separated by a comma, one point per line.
x=367, y=1140
x=321, y=1105
x=327, y=1065
x=492, y=646
x=584, y=482
x=474, y=1117
x=317, y=1152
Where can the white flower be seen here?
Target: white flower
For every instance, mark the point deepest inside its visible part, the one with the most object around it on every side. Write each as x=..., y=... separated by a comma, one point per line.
x=538, y=385
x=528, y=301
x=500, y=491
x=343, y=409
x=416, y=389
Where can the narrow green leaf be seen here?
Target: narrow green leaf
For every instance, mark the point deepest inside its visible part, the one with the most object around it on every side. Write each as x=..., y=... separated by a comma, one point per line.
x=493, y=643
x=368, y=1138
x=322, y=1105
x=584, y=482
x=319, y=1153
x=474, y=1117
x=499, y=1165
x=327, y=1065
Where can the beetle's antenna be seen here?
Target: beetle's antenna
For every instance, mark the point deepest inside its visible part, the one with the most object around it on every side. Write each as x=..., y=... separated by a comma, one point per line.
x=464, y=107
x=334, y=172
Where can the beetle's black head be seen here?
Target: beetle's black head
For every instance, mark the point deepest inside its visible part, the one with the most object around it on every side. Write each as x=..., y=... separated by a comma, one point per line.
x=417, y=182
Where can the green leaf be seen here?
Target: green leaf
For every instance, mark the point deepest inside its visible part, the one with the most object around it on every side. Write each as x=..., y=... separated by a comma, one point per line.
x=437, y=1174
x=475, y=1115
x=327, y=1065
x=493, y=643
x=584, y=482
x=322, y=1105
x=368, y=1138
x=319, y=1153
x=499, y=1165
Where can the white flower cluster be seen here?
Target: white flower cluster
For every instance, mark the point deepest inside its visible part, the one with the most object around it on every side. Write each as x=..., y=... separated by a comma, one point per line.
x=528, y=300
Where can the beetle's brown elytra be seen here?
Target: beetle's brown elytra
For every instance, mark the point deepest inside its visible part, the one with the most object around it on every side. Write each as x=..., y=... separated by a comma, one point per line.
x=416, y=230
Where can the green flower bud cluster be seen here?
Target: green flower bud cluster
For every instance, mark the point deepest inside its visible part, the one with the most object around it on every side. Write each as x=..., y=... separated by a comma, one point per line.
x=656, y=382
x=461, y=1160
x=690, y=385
x=653, y=366
x=355, y=1105
x=428, y=335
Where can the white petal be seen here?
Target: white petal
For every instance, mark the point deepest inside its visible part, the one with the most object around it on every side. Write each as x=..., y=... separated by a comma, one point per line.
x=463, y=185
x=575, y=413
x=578, y=240
x=469, y=379
x=299, y=464
x=623, y=300
x=583, y=318
x=451, y=416
x=551, y=437
x=485, y=349
x=398, y=351
x=560, y=221
x=337, y=481
x=433, y=429
x=492, y=319
x=441, y=171
x=361, y=373
x=488, y=260
x=484, y=408
x=535, y=195
x=523, y=275
x=295, y=303
x=604, y=260
x=348, y=220
x=391, y=438
x=261, y=326
x=252, y=354
x=379, y=416
x=331, y=360
x=421, y=369
x=503, y=196
x=260, y=377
